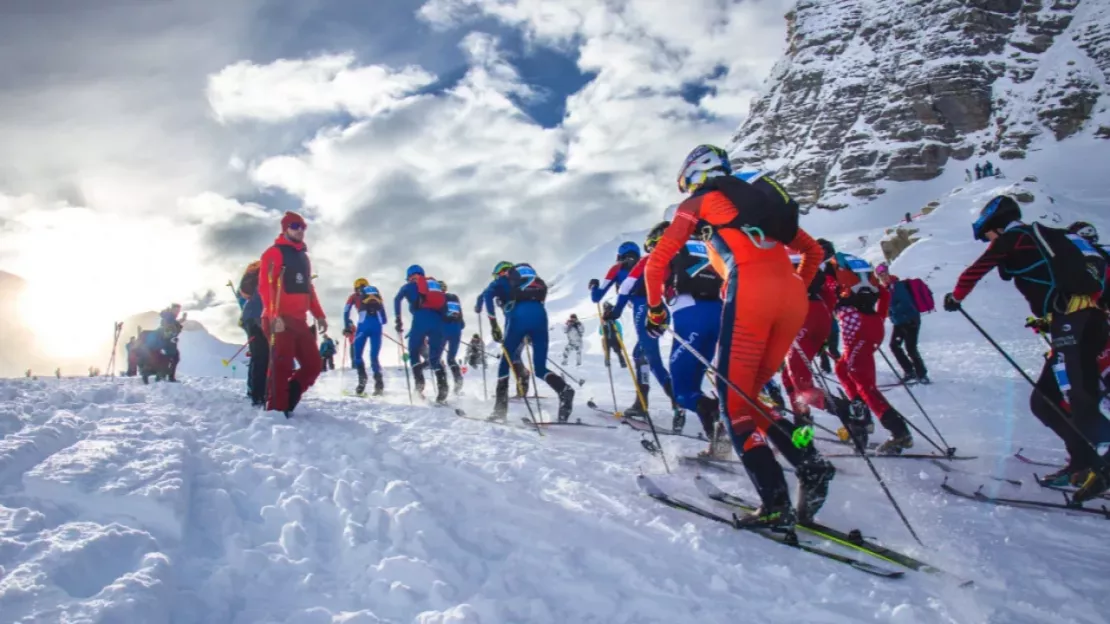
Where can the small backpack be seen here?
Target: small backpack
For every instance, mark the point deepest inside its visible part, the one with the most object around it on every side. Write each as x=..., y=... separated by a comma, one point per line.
x=1075, y=265
x=432, y=296
x=453, y=311
x=525, y=285
x=922, y=295
x=764, y=208
x=248, y=284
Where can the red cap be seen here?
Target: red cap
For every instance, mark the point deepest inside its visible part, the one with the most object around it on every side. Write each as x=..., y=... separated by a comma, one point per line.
x=290, y=218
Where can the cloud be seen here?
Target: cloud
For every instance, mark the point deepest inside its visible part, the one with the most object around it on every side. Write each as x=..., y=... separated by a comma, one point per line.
x=285, y=89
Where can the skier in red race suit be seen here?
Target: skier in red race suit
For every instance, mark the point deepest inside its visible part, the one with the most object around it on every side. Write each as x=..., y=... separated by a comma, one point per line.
x=287, y=297
x=798, y=376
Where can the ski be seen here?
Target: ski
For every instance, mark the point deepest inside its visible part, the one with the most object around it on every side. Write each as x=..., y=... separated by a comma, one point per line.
x=934, y=456
x=945, y=467
x=527, y=398
x=869, y=446
x=1023, y=503
x=1022, y=458
x=637, y=425
x=610, y=413
x=722, y=465
x=1066, y=489
x=852, y=539
x=785, y=537
x=577, y=423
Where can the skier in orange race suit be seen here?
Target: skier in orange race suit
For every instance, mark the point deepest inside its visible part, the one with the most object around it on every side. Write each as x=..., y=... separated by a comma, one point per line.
x=748, y=221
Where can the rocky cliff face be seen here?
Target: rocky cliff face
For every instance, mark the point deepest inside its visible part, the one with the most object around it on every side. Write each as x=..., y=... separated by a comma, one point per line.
x=871, y=91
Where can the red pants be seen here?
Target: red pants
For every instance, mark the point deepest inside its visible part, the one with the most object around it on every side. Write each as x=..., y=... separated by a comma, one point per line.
x=763, y=313
x=298, y=343
x=798, y=376
x=861, y=334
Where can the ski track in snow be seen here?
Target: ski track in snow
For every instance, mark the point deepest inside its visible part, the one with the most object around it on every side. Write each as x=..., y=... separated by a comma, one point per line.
x=179, y=503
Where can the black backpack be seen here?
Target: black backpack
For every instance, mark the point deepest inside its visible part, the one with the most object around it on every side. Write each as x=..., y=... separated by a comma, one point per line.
x=525, y=285
x=1075, y=266
x=761, y=203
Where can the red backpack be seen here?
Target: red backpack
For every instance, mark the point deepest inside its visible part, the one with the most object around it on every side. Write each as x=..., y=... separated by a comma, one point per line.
x=431, y=293
x=922, y=296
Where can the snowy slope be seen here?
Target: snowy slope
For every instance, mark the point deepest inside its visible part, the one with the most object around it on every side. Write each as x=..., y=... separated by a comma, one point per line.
x=178, y=503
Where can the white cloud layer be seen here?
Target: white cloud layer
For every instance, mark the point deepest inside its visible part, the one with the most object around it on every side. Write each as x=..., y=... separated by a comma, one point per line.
x=325, y=84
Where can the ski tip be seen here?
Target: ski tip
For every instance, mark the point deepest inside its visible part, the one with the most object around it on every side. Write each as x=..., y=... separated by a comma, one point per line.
x=460, y=412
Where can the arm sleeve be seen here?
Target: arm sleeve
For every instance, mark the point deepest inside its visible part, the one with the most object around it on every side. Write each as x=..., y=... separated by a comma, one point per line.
x=347, y=310
x=383, y=318
x=398, y=299
x=598, y=293
x=269, y=276
x=812, y=255
x=487, y=301
x=674, y=237
x=991, y=258
x=628, y=285
x=884, y=302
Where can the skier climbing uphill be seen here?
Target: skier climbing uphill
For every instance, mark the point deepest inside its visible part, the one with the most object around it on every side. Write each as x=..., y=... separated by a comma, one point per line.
x=1060, y=276
x=748, y=225
x=798, y=376
x=287, y=298
x=427, y=302
x=453, y=325
x=696, y=310
x=371, y=319
x=861, y=309
x=522, y=294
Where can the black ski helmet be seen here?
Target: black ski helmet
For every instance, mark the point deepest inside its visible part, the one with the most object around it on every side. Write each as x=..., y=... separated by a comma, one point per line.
x=827, y=247
x=1084, y=230
x=654, y=234
x=998, y=213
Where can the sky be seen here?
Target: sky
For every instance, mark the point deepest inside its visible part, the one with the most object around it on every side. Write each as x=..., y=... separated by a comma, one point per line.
x=149, y=149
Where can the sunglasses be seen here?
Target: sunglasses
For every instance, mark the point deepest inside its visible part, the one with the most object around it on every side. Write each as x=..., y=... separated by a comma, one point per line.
x=296, y=226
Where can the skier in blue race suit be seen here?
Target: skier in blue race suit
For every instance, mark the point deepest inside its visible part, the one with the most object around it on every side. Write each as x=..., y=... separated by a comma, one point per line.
x=368, y=303
x=518, y=363
x=426, y=302
x=453, y=325
x=522, y=294
x=694, y=299
x=628, y=274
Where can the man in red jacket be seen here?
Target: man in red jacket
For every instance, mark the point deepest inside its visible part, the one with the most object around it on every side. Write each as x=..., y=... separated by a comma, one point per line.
x=287, y=297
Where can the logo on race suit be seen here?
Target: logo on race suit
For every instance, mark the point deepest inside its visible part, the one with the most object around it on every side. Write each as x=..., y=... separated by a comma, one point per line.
x=300, y=278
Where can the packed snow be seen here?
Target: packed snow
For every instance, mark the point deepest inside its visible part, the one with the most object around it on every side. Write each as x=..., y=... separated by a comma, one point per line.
x=180, y=503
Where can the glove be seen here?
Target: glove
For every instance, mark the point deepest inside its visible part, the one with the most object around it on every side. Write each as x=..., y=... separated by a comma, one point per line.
x=594, y=284
x=951, y=304
x=1038, y=325
x=348, y=330
x=657, y=318
x=323, y=325
x=495, y=330
x=277, y=325
x=399, y=325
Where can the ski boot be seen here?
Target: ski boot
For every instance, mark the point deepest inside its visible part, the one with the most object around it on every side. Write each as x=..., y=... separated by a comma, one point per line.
x=1063, y=477
x=565, y=394
x=294, y=397
x=456, y=374
x=418, y=379
x=720, y=445
x=500, y=401
x=857, y=422
x=379, y=384
x=441, y=387
x=814, y=475
x=678, y=422
x=766, y=474
x=361, y=387
x=1094, y=485
x=900, y=437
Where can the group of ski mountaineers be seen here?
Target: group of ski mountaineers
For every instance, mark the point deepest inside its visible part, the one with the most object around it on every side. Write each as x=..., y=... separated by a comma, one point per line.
x=745, y=293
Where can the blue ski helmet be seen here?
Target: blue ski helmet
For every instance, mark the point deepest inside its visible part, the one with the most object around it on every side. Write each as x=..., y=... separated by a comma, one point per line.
x=998, y=213
x=628, y=251
x=415, y=269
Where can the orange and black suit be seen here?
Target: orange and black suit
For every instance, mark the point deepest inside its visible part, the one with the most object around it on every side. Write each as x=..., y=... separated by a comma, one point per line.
x=765, y=302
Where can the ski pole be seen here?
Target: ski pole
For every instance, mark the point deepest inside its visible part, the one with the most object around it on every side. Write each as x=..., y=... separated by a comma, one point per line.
x=535, y=384
x=519, y=386
x=408, y=382
x=482, y=337
x=273, y=332
x=240, y=350
x=1059, y=410
x=565, y=373
x=871, y=465
x=948, y=450
x=608, y=364
x=643, y=404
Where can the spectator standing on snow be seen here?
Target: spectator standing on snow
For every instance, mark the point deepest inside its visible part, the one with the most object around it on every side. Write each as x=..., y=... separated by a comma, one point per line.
x=906, y=319
x=327, y=353
x=574, y=332
x=978, y=171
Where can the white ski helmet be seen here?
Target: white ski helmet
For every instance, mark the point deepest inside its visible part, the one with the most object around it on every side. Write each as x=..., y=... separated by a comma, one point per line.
x=706, y=161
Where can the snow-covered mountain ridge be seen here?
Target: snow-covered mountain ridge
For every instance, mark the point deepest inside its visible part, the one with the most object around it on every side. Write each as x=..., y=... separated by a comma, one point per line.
x=872, y=92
